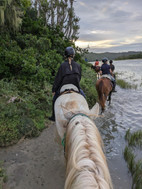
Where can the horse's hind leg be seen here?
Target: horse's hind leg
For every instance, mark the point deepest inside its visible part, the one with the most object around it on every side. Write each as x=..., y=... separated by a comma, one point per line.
x=109, y=98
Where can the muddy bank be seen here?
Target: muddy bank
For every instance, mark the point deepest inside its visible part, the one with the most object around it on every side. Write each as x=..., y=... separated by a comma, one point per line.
x=35, y=164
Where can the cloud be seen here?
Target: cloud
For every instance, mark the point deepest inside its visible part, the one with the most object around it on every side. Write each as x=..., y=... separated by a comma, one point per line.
x=118, y=23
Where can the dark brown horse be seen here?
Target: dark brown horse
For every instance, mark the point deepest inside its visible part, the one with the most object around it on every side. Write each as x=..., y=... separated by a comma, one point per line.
x=97, y=70
x=104, y=89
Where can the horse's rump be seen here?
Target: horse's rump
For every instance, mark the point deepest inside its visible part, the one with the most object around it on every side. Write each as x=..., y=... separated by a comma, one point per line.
x=104, y=88
x=97, y=68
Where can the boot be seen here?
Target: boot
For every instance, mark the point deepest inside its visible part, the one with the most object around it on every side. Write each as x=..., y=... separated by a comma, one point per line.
x=114, y=85
x=52, y=118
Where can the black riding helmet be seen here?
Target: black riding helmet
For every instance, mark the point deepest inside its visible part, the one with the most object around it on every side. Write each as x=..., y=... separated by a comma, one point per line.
x=111, y=61
x=69, y=52
x=104, y=60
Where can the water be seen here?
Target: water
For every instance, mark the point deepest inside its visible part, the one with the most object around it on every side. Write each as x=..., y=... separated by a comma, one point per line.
x=124, y=112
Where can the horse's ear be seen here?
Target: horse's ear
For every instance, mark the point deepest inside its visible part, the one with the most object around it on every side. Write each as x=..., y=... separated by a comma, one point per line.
x=67, y=113
x=94, y=112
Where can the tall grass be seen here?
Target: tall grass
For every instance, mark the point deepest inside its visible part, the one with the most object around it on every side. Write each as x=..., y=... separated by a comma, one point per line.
x=135, y=166
x=125, y=85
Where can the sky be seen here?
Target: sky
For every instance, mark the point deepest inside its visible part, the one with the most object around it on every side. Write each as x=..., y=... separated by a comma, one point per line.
x=109, y=25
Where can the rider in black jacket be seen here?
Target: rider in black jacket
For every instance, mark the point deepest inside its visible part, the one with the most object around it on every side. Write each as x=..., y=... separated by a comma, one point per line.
x=69, y=73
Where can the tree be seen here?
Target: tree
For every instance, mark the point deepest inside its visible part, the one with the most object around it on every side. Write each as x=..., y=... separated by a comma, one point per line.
x=59, y=13
x=11, y=12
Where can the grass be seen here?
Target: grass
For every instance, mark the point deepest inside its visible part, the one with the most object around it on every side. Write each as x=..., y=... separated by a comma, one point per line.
x=135, y=166
x=3, y=176
x=125, y=85
x=88, y=83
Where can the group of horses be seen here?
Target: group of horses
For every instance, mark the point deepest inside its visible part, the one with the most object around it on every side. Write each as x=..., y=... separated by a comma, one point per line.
x=86, y=164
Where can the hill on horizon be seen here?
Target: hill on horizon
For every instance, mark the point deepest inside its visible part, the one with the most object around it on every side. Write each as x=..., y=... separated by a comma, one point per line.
x=110, y=55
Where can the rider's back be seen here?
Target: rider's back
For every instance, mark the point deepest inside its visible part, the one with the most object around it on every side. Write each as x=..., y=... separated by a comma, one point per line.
x=105, y=68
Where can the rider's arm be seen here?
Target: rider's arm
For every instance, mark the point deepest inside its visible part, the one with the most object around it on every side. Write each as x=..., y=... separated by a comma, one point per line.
x=58, y=80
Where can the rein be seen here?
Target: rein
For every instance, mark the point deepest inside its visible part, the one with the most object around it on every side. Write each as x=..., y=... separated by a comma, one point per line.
x=64, y=138
x=78, y=115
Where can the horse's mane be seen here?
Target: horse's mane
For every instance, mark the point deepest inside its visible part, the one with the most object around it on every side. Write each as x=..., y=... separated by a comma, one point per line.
x=86, y=163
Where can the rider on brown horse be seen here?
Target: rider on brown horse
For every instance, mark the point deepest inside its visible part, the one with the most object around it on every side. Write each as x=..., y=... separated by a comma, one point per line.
x=106, y=70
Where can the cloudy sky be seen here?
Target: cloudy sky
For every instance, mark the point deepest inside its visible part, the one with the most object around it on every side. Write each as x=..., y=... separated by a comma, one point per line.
x=110, y=25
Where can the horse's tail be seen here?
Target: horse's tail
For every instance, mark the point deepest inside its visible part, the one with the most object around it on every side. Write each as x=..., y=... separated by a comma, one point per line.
x=101, y=94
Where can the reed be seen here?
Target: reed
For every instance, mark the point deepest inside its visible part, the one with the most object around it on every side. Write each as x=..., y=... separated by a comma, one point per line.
x=125, y=85
x=135, y=166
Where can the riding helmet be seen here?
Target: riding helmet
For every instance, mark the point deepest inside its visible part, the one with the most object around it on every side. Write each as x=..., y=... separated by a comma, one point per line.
x=69, y=51
x=111, y=61
x=104, y=60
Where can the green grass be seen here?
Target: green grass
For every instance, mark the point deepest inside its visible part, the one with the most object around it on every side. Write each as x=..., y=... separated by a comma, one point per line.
x=88, y=83
x=135, y=166
x=3, y=176
x=125, y=85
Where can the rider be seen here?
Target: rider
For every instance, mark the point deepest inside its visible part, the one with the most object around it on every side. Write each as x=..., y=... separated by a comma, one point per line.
x=69, y=72
x=105, y=69
x=96, y=63
x=112, y=67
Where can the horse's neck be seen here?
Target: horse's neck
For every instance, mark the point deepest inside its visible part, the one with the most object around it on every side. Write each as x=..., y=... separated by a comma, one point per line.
x=86, y=163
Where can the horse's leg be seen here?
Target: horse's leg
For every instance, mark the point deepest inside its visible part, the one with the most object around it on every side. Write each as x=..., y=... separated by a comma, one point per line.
x=109, y=98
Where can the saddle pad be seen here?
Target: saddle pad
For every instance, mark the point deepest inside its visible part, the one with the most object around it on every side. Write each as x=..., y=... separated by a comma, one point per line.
x=68, y=86
x=107, y=76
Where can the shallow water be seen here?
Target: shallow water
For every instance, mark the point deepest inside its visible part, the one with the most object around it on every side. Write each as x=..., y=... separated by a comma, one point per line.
x=124, y=112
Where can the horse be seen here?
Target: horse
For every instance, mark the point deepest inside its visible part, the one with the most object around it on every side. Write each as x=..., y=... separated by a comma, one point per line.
x=97, y=70
x=86, y=165
x=104, y=88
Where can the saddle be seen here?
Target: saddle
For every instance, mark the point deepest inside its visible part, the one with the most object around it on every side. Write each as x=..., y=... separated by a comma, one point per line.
x=68, y=88
x=110, y=78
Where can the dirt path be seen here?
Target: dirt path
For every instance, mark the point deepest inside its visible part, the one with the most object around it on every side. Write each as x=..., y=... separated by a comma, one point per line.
x=35, y=164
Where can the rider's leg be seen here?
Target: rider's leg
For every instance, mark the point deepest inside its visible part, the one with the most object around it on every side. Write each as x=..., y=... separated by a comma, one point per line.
x=82, y=93
x=52, y=118
x=114, y=85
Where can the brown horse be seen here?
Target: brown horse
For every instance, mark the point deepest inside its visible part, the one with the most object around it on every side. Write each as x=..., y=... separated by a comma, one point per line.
x=104, y=89
x=97, y=70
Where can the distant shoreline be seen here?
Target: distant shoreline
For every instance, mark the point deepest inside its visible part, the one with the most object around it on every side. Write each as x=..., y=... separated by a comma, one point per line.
x=113, y=56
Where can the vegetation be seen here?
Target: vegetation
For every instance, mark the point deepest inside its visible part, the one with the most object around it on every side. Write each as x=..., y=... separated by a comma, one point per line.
x=3, y=177
x=134, y=163
x=133, y=56
x=113, y=56
x=88, y=85
x=125, y=85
